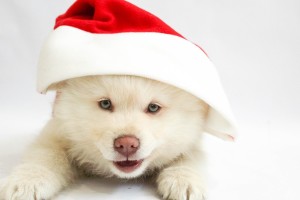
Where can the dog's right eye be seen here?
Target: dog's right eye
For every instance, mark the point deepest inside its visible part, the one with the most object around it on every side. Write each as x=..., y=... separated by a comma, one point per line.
x=153, y=108
x=105, y=104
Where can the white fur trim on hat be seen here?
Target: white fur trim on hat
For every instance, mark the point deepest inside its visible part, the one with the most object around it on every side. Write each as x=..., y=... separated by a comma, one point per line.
x=70, y=52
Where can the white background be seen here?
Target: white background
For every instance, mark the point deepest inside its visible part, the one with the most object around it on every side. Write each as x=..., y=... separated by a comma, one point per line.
x=255, y=45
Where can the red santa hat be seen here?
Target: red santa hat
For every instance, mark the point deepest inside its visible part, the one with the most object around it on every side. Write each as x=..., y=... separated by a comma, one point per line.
x=104, y=37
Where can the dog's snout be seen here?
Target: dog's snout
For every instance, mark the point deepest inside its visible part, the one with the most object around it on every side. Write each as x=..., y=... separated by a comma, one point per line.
x=126, y=145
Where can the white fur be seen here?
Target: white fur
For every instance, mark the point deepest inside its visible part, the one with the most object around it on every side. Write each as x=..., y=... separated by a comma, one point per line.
x=79, y=138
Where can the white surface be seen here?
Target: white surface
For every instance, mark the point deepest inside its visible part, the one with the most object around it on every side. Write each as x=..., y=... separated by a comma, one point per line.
x=255, y=45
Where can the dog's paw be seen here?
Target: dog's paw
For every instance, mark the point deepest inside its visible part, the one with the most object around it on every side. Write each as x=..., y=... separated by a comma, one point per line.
x=180, y=184
x=30, y=182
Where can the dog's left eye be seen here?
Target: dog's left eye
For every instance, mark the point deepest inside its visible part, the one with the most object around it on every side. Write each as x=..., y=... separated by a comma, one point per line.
x=105, y=104
x=153, y=108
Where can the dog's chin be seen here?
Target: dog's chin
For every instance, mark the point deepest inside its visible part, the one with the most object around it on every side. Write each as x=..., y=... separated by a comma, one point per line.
x=128, y=168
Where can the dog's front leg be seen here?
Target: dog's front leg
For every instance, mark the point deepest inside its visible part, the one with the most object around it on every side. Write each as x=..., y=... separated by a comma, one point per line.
x=44, y=172
x=182, y=180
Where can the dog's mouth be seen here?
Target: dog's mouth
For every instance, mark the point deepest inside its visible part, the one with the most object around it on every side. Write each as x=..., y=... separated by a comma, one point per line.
x=128, y=166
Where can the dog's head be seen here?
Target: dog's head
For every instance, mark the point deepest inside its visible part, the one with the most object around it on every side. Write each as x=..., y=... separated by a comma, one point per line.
x=126, y=125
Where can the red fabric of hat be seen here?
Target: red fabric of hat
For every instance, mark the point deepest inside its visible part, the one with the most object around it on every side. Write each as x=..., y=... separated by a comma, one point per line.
x=112, y=16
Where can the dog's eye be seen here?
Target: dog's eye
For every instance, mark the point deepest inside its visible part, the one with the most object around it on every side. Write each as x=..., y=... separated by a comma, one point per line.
x=105, y=104
x=153, y=108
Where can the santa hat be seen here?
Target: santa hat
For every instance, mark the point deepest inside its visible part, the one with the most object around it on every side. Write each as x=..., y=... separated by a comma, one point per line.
x=105, y=37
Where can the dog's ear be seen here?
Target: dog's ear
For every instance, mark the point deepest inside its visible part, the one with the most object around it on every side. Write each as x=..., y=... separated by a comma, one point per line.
x=56, y=86
x=57, y=95
x=221, y=125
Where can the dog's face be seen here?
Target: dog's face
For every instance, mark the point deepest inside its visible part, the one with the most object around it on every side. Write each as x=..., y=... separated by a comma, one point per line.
x=126, y=125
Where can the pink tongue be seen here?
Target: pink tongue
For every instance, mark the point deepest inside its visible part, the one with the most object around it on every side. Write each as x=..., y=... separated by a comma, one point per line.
x=127, y=163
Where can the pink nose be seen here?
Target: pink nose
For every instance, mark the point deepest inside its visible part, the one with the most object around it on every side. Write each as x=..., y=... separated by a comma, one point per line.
x=126, y=145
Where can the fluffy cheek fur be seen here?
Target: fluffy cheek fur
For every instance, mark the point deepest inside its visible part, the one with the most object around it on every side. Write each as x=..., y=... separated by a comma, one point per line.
x=165, y=136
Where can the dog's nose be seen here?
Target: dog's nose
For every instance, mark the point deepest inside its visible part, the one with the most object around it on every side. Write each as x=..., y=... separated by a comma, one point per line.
x=126, y=145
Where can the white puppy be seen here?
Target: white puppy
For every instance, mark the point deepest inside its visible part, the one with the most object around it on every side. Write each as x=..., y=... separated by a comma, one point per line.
x=122, y=126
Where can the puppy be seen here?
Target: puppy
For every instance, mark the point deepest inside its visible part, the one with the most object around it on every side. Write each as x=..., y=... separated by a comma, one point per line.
x=116, y=126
